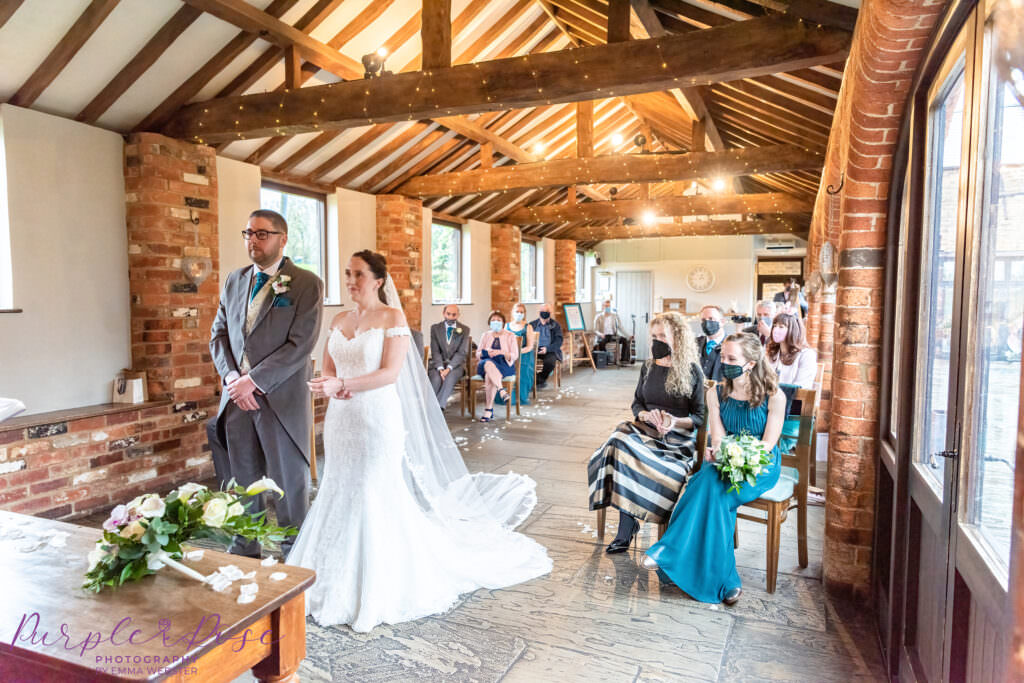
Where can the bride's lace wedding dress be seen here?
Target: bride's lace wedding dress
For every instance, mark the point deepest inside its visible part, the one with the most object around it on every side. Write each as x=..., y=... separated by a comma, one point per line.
x=388, y=544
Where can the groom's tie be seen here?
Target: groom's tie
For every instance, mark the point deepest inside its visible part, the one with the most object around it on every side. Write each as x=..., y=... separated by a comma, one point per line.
x=448, y=332
x=261, y=279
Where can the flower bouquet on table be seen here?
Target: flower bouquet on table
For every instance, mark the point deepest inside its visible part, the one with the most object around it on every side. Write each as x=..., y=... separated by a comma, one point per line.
x=146, y=534
x=740, y=459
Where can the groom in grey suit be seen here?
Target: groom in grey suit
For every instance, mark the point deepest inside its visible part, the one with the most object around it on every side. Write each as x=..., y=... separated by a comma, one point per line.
x=449, y=346
x=266, y=326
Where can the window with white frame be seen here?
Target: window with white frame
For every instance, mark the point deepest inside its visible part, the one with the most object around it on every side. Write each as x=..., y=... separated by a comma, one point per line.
x=446, y=263
x=583, y=263
x=306, y=214
x=529, y=282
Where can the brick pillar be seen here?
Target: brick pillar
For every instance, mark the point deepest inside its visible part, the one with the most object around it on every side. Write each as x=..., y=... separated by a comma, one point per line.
x=505, y=276
x=565, y=283
x=885, y=51
x=171, y=197
x=400, y=240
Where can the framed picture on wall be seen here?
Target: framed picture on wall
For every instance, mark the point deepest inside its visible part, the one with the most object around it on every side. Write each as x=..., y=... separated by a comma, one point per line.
x=574, y=317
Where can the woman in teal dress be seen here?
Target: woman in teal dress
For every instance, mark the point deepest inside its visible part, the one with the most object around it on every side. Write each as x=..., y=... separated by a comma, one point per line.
x=696, y=552
x=527, y=355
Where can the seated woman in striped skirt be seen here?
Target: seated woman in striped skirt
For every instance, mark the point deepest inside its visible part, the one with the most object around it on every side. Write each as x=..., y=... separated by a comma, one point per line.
x=642, y=467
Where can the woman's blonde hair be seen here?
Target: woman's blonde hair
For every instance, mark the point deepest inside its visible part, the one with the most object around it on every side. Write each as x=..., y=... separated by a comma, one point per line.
x=681, y=378
x=762, y=378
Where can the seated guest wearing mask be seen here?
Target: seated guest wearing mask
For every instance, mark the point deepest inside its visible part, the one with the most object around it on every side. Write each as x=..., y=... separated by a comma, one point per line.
x=709, y=344
x=496, y=356
x=609, y=328
x=762, y=327
x=788, y=354
x=527, y=355
x=549, y=343
x=449, y=346
x=642, y=467
x=696, y=552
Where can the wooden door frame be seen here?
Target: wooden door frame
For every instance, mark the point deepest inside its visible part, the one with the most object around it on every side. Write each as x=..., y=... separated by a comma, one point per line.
x=900, y=450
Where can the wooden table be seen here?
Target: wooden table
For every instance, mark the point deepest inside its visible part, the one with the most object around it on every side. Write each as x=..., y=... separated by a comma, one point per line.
x=166, y=627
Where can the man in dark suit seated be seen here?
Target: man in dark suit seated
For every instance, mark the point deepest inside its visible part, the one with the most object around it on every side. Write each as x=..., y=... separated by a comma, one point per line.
x=549, y=343
x=449, y=346
x=709, y=345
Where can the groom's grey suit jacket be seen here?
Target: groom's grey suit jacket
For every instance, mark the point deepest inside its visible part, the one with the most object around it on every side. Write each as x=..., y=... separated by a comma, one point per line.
x=278, y=345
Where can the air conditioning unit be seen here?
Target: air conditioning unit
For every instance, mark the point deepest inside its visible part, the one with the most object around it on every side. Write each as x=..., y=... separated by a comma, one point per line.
x=783, y=244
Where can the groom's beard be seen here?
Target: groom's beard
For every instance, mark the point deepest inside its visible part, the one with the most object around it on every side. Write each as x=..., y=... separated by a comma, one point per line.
x=263, y=258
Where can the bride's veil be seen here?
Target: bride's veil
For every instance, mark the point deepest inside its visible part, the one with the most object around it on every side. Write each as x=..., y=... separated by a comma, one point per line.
x=434, y=469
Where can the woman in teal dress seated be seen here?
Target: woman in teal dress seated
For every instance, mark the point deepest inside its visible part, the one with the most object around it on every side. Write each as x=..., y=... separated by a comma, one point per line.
x=521, y=329
x=696, y=552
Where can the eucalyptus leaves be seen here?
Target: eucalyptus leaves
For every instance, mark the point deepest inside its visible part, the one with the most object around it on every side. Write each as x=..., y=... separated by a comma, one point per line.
x=147, y=533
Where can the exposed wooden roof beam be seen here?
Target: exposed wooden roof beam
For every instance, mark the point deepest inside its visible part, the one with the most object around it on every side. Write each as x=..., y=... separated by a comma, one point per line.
x=213, y=66
x=743, y=49
x=7, y=10
x=765, y=226
x=436, y=34
x=63, y=53
x=692, y=205
x=627, y=168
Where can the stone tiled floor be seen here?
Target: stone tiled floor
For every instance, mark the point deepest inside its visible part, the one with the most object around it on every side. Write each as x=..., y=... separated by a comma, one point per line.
x=598, y=617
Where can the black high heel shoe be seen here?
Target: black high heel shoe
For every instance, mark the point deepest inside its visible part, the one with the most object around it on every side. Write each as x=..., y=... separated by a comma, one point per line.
x=620, y=545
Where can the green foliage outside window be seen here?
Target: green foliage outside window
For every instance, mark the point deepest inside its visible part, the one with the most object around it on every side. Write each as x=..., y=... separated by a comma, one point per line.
x=305, y=217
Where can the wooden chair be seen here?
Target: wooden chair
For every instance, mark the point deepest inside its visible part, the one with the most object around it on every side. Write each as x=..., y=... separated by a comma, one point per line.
x=511, y=383
x=556, y=374
x=312, y=427
x=466, y=374
x=790, y=491
x=426, y=357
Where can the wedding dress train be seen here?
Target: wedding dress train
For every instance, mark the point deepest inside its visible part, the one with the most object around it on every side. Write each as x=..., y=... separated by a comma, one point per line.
x=394, y=539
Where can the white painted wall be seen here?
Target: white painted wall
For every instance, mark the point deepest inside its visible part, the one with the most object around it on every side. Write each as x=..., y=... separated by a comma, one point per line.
x=69, y=267
x=238, y=195
x=670, y=259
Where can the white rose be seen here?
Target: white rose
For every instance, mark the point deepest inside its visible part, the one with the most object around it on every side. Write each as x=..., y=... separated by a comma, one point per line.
x=264, y=484
x=733, y=449
x=234, y=510
x=186, y=491
x=215, y=512
x=151, y=506
x=96, y=555
x=737, y=460
x=133, y=531
x=753, y=458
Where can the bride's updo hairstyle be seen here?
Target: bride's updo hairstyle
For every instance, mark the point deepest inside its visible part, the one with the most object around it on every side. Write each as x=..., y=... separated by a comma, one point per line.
x=378, y=266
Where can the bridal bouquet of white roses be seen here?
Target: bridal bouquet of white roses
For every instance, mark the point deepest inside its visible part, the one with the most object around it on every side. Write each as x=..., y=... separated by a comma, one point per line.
x=740, y=459
x=141, y=537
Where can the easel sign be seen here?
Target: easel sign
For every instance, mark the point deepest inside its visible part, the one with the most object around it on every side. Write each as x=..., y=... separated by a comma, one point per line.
x=575, y=324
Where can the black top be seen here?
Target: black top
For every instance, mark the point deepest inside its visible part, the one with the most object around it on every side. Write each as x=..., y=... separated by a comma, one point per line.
x=651, y=395
x=710, y=363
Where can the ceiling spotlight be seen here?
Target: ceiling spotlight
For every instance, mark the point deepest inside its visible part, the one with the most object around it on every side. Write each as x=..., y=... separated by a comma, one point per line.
x=616, y=139
x=649, y=218
x=373, y=63
x=538, y=148
x=614, y=191
x=718, y=185
x=640, y=140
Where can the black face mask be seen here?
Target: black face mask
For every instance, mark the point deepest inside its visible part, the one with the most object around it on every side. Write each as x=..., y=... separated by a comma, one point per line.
x=544, y=315
x=660, y=349
x=710, y=327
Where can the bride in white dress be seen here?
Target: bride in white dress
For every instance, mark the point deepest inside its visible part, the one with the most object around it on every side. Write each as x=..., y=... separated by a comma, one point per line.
x=399, y=528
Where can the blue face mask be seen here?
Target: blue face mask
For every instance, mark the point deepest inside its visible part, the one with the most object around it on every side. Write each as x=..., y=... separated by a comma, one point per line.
x=496, y=325
x=518, y=316
x=607, y=309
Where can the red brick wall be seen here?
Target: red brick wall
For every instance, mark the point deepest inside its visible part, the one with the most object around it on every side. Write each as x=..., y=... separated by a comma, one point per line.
x=506, y=241
x=886, y=49
x=565, y=283
x=70, y=468
x=400, y=240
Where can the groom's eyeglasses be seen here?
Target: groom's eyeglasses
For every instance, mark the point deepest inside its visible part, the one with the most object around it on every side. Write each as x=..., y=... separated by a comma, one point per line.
x=258, y=234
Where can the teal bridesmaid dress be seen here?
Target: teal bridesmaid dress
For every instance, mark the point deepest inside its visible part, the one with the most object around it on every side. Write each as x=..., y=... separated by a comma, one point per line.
x=526, y=377
x=696, y=553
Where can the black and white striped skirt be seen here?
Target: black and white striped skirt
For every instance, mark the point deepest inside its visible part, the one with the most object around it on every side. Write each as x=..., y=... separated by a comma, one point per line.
x=640, y=472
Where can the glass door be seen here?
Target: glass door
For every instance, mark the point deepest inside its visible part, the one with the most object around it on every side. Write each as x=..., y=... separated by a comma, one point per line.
x=934, y=458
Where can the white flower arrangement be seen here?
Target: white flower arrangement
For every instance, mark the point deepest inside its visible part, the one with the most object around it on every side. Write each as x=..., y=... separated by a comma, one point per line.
x=740, y=459
x=282, y=284
x=146, y=534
